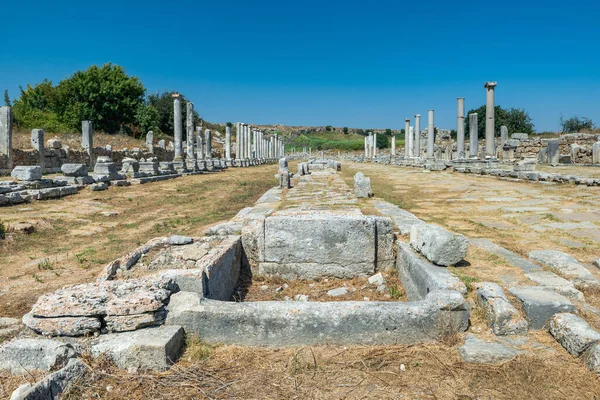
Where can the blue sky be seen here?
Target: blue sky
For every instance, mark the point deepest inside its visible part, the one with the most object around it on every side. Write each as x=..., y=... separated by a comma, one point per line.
x=344, y=63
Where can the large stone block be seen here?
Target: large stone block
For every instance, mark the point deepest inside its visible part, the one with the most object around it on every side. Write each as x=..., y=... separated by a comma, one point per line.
x=53, y=385
x=566, y=266
x=540, y=304
x=27, y=173
x=502, y=316
x=22, y=355
x=438, y=245
x=77, y=170
x=146, y=349
x=362, y=186
x=553, y=152
x=572, y=332
x=478, y=351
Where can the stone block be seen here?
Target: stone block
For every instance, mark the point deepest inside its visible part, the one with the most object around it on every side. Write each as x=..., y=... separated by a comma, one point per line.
x=502, y=316
x=27, y=173
x=37, y=140
x=19, y=356
x=96, y=187
x=53, y=385
x=540, y=304
x=362, y=186
x=596, y=153
x=146, y=349
x=519, y=136
x=555, y=283
x=440, y=246
x=566, y=266
x=54, y=144
x=572, y=332
x=77, y=170
x=420, y=277
x=478, y=351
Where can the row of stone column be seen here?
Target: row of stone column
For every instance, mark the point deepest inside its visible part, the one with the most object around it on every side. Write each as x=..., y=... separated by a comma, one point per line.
x=371, y=145
x=252, y=143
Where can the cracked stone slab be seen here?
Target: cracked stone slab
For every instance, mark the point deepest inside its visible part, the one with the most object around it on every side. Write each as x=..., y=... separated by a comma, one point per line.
x=478, y=351
x=540, y=304
x=572, y=332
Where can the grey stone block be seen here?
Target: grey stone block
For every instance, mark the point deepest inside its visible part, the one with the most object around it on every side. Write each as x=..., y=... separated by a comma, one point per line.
x=502, y=316
x=53, y=385
x=179, y=240
x=76, y=170
x=145, y=349
x=477, y=351
x=540, y=304
x=27, y=173
x=572, y=332
x=96, y=187
x=438, y=245
x=362, y=186
x=555, y=283
x=420, y=277
x=19, y=356
x=566, y=266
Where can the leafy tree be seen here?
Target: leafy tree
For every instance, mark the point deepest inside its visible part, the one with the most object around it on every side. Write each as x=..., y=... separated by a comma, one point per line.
x=163, y=103
x=361, y=132
x=575, y=124
x=383, y=141
x=345, y=130
x=6, y=99
x=229, y=124
x=36, y=108
x=105, y=95
x=146, y=117
x=388, y=132
x=515, y=119
x=328, y=128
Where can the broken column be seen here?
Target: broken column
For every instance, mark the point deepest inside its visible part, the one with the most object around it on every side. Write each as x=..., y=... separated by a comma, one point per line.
x=393, y=151
x=150, y=141
x=228, y=143
x=177, y=126
x=460, y=128
x=87, y=139
x=190, y=154
x=430, y=135
x=406, y=137
x=6, y=122
x=208, y=144
x=473, y=136
x=37, y=142
x=503, y=135
x=553, y=152
x=417, y=141
x=490, y=148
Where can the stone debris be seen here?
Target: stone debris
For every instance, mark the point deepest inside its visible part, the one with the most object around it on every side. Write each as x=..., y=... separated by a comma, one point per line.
x=540, y=304
x=376, y=279
x=74, y=170
x=27, y=173
x=53, y=385
x=478, y=351
x=438, y=245
x=337, y=292
x=502, y=316
x=362, y=186
x=573, y=333
x=566, y=266
x=20, y=356
x=301, y=297
x=82, y=309
x=97, y=187
x=145, y=349
x=178, y=240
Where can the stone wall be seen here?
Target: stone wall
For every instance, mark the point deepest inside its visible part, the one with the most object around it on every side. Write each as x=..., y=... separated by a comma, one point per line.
x=574, y=148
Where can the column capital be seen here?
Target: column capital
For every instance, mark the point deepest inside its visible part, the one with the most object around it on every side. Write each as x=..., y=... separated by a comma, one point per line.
x=406, y=119
x=490, y=85
x=417, y=115
x=175, y=95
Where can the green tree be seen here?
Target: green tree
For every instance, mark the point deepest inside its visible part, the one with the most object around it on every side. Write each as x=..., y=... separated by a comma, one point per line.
x=575, y=124
x=345, y=130
x=328, y=128
x=36, y=108
x=515, y=119
x=7, y=102
x=146, y=117
x=383, y=141
x=105, y=95
x=388, y=132
x=163, y=103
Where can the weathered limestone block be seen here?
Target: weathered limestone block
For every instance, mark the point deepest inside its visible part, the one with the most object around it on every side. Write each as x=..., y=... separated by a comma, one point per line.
x=403, y=219
x=27, y=173
x=385, y=242
x=596, y=153
x=362, y=186
x=502, y=316
x=106, y=170
x=420, y=277
x=37, y=140
x=438, y=245
x=478, y=351
x=97, y=187
x=555, y=283
x=146, y=349
x=572, y=332
x=19, y=356
x=75, y=170
x=53, y=385
x=566, y=266
x=540, y=304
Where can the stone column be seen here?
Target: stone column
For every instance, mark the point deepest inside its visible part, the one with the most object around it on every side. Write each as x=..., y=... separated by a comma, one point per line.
x=238, y=129
x=199, y=144
x=248, y=142
x=490, y=145
x=87, y=139
x=430, y=135
x=366, y=148
x=189, y=116
x=473, y=136
x=393, y=152
x=460, y=128
x=6, y=123
x=407, y=137
x=553, y=152
x=150, y=141
x=37, y=142
x=208, y=144
x=228, y=143
x=177, y=125
x=503, y=136
x=417, y=141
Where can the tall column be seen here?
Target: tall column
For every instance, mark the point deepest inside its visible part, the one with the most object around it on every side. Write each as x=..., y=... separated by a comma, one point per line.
x=473, y=135
x=228, y=143
x=490, y=145
x=407, y=137
x=189, y=117
x=199, y=144
x=177, y=125
x=393, y=152
x=460, y=128
x=430, y=134
x=87, y=139
x=6, y=123
x=366, y=147
x=417, y=140
x=208, y=144
x=238, y=129
x=248, y=142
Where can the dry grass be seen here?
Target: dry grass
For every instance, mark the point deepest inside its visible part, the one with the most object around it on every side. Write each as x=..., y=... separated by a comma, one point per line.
x=324, y=372
x=73, y=241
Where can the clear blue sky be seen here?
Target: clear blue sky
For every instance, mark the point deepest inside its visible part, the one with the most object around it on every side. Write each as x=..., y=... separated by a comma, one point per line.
x=344, y=63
